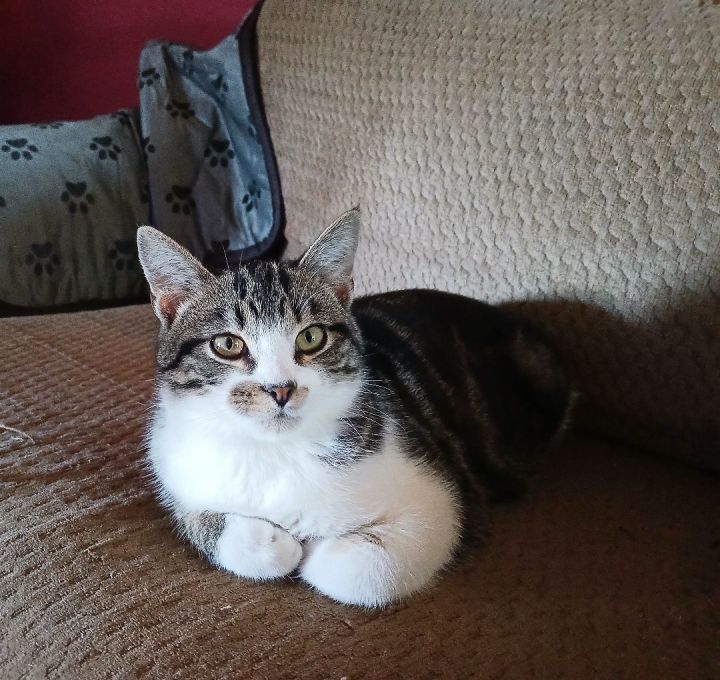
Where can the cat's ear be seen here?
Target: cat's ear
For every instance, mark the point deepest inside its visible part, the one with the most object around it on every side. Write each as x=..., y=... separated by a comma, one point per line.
x=172, y=272
x=332, y=255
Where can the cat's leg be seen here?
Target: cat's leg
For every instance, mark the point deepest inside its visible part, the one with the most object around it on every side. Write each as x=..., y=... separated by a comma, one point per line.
x=246, y=546
x=392, y=557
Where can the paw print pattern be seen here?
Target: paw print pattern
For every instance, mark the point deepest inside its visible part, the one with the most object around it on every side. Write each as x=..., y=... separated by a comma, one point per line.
x=105, y=148
x=250, y=199
x=177, y=108
x=42, y=259
x=219, y=152
x=76, y=197
x=147, y=147
x=180, y=199
x=19, y=148
x=46, y=126
x=122, y=116
x=124, y=255
x=148, y=77
x=188, y=57
x=219, y=84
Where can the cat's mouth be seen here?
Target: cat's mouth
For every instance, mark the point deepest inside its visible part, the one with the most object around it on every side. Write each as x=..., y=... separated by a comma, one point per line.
x=282, y=421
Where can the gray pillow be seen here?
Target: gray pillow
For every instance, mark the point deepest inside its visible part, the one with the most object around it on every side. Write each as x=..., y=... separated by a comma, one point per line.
x=214, y=185
x=71, y=197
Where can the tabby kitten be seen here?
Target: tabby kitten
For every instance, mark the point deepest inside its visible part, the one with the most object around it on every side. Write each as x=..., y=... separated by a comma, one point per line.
x=355, y=442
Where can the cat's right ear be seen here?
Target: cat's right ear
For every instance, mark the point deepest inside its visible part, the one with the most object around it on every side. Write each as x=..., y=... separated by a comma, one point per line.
x=172, y=272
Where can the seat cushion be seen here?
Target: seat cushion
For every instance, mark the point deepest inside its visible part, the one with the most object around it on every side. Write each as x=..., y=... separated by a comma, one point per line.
x=607, y=568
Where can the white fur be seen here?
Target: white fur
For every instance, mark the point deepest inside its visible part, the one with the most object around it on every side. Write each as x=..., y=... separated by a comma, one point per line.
x=206, y=458
x=273, y=551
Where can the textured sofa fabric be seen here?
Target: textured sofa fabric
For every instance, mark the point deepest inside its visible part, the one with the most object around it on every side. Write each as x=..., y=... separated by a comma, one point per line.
x=564, y=154
x=607, y=569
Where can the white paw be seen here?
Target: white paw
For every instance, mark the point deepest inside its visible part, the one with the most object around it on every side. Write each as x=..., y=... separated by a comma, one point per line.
x=253, y=548
x=353, y=571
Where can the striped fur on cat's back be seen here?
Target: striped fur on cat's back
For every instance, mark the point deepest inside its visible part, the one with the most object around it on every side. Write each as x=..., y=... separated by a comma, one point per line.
x=353, y=441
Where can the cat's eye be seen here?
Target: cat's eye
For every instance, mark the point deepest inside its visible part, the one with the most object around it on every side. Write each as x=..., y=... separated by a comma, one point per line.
x=228, y=346
x=311, y=339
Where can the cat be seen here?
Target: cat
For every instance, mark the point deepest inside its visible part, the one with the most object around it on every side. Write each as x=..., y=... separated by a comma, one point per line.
x=354, y=442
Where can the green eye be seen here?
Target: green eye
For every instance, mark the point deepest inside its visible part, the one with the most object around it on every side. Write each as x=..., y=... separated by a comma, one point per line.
x=228, y=346
x=311, y=339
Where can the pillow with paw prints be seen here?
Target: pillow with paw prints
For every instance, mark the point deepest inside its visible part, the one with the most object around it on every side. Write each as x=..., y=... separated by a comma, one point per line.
x=71, y=197
x=196, y=160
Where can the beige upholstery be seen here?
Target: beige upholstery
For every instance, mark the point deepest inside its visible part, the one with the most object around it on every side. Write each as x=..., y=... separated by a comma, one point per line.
x=562, y=153
x=607, y=569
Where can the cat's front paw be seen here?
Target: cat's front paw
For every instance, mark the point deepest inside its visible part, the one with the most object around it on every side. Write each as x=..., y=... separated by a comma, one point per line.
x=352, y=570
x=255, y=549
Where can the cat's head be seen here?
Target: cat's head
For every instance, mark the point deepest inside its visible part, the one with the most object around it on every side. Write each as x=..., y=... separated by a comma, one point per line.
x=269, y=348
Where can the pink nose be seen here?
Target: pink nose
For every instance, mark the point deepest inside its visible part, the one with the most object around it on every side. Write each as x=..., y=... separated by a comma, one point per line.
x=281, y=393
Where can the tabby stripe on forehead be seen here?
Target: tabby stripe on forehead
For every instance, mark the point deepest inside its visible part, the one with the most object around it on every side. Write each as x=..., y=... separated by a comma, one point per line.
x=268, y=277
x=239, y=316
x=284, y=279
x=240, y=284
x=185, y=348
x=218, y=315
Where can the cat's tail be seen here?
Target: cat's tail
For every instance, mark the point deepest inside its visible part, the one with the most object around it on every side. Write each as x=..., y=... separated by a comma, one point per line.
x=548, y=385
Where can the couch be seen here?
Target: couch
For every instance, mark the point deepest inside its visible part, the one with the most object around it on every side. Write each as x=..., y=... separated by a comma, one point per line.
x=559, y=157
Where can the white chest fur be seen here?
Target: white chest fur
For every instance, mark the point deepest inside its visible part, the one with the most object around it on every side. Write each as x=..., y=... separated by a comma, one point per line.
x=206, y=466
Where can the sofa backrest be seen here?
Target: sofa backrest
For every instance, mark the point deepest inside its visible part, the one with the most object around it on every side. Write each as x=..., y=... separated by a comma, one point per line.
x=561, y=155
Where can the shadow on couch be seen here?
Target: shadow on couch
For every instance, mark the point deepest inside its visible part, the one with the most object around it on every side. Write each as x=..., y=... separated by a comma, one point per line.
x=653, y=383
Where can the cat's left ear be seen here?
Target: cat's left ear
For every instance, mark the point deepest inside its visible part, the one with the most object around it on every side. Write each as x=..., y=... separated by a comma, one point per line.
x=332, y=255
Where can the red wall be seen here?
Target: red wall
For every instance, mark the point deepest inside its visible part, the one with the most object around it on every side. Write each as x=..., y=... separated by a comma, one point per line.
x=73, y=59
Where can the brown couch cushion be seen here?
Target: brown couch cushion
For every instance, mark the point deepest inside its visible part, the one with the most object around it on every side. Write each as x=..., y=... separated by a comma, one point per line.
x=608, y=568
x=561, y=152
